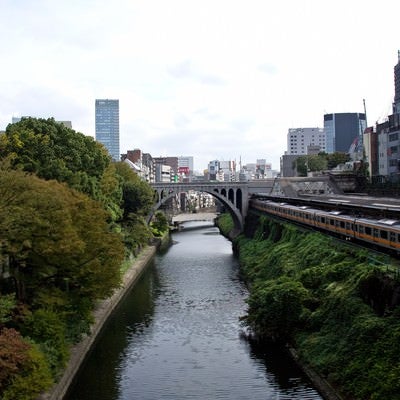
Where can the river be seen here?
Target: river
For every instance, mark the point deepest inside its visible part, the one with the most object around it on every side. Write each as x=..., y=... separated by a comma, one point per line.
x=177, y=334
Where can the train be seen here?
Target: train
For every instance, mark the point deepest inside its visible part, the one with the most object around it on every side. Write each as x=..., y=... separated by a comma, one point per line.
x=381, y=234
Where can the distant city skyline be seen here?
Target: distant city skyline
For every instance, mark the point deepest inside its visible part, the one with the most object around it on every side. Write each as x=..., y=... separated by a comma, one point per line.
x=217, y=80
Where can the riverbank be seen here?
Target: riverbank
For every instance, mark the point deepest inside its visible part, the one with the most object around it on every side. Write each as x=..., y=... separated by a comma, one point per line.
x=101, y=314
x=329, y=301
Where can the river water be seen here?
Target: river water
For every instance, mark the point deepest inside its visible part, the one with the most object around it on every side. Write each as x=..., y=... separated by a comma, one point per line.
x=177, y=335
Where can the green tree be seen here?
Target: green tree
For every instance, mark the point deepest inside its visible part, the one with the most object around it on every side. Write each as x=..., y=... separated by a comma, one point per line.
x=56, y=237
x=7, y=305
x=310, y=163
x=336, y=158
x=276, y=307
x=52, y=151
x=159, y=223
x=111, y=192
x=136, y=233
x=137, y=194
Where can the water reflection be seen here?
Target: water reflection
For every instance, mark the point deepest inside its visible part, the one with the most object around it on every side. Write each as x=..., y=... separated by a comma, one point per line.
x=177, y=335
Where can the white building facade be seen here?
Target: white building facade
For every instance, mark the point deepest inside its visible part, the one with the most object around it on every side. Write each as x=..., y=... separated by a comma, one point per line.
x=299, y=139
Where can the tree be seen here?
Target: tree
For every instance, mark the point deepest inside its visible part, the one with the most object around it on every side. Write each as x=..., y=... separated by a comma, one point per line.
x=336, y=158
x=160, y=223
x=13, y=355
x=7, y=304
x=56, y=237
x=276, y=307
x=111, y=192
x=52, y=151
x=23, y=370
x=310, y=163
x=136, y=233
x=137, y=194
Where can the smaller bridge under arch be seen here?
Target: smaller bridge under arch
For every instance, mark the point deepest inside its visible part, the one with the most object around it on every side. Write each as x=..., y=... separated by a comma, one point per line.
x=233, y=195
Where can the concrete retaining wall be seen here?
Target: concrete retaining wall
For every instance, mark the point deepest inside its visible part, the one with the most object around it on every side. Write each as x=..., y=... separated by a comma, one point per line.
x=101, y=314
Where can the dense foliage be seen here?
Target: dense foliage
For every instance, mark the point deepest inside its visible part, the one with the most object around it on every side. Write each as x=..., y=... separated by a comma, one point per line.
x=319, y=162
x=159, y=224
x=69, y=217
x=336, y=304
x=53, y=151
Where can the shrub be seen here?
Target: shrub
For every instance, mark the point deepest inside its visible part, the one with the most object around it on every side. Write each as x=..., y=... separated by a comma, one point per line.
x=33, y=378
x=47, y=329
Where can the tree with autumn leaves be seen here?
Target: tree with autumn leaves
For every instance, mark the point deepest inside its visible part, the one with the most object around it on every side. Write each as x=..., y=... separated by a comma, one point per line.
x=67, y=220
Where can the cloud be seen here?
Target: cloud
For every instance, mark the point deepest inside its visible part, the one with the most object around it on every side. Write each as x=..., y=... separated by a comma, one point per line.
x=181, y=121
x=187, y=70
x=269, y=69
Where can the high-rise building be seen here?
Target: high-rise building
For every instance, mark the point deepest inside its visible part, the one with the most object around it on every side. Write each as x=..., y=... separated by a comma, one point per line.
x=185, y=168
x=107, y=125
x=396, y=104
x=300, y=139
x=344, y=132
x=186, y=162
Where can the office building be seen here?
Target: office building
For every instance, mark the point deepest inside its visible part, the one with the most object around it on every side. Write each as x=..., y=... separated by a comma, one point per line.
x=344, y=132
x=288, y=165
x=162, y=173
x=185, y=168
x=213, y=168
x=143, y=164
x=300, y=139
x=107, y=126
x=396, y=103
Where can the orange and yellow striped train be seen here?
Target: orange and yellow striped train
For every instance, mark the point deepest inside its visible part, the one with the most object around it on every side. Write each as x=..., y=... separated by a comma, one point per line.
x=376, y=233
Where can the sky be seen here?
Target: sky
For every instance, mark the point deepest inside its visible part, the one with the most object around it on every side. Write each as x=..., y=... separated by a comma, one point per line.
x=212, y=79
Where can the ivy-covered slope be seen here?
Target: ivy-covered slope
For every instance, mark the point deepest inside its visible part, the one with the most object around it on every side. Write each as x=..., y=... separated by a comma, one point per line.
x=337, y=305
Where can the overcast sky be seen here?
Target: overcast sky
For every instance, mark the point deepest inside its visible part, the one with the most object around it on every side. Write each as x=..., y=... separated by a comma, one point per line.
x=214, y=79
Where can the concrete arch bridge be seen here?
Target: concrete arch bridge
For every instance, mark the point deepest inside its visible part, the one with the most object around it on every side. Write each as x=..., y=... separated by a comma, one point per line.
x=233, y=195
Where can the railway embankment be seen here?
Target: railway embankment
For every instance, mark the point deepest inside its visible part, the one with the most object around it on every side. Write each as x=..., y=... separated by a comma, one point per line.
x=335, y=305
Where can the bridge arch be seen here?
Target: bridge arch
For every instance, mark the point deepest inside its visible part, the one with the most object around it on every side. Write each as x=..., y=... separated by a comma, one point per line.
x=229, y=194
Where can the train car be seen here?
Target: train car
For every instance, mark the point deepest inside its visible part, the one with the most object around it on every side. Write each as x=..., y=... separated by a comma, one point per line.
x=382, y=233
x=335, y=221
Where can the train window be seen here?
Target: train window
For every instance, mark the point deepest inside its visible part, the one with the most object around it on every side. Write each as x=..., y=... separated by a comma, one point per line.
x=332, y=222
x=368, y=230
x=348, y=225
x=323, y=220
x=360, y=229
x=376, y=232
x=341, y=224
x=384, y=234
x=392, y=237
